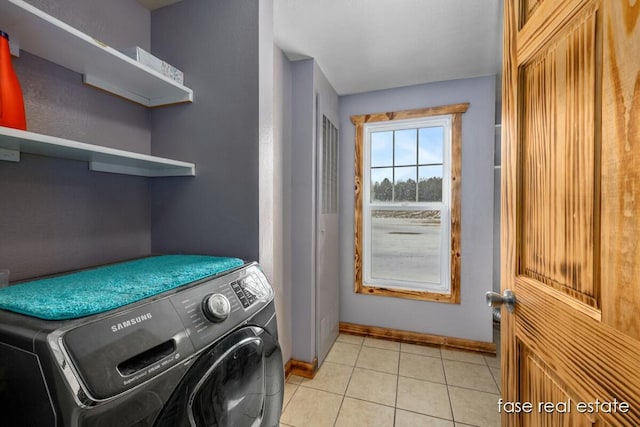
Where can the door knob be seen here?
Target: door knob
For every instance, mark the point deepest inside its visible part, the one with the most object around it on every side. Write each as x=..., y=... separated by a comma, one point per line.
x=508, y=298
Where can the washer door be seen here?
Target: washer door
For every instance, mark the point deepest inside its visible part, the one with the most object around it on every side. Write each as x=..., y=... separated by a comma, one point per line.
x=236, y=383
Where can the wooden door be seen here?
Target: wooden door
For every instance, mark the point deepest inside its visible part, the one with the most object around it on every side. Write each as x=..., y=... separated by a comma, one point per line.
x=571, y=212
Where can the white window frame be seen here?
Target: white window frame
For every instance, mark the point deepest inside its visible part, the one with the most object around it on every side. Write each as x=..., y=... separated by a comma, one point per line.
x=444, y=286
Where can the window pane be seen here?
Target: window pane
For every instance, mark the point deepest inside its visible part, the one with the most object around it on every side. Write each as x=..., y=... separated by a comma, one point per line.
x=382, y=149
x=381, y=185
x=406, y=245
x=406, y=146
x=430, y=183
x=431, y=141
x=405, y=185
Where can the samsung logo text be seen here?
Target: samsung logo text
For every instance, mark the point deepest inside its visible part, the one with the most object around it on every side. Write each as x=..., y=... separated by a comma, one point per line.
x=130, y=322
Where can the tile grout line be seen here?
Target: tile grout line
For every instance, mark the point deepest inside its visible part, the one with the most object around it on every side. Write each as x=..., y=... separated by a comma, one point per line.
x=372, y=402
x=344, y=395
x=422, y=379
x=292, y=394
x=395, y=406
x=444, y=371
x=493, y=376
x=491, y=372
x=338, y=413
x=496, y=380
x=289, y=402
x=474, y=389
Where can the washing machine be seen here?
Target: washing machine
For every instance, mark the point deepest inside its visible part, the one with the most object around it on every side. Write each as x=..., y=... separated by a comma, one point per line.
x=203, y=354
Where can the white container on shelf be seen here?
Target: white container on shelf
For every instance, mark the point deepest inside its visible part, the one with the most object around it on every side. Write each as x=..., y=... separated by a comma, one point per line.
x=101, y=66
x=157, y=64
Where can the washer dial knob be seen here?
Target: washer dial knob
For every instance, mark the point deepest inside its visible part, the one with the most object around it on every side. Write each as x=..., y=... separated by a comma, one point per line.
x=216, y=307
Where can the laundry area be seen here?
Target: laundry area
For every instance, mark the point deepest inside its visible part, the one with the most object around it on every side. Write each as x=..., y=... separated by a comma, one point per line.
x=252, y=213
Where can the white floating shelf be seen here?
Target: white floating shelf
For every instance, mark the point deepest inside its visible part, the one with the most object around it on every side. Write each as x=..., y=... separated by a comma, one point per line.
x=102, y=159
x=102, y=66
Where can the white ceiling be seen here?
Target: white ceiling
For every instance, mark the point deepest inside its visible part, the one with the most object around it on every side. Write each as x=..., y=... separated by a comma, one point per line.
x=365, y=45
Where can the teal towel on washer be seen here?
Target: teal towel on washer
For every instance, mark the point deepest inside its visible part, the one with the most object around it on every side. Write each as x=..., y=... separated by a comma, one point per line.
x=104, y=288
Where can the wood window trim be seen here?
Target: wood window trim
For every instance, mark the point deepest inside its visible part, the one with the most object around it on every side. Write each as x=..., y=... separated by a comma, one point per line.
x=359, y=121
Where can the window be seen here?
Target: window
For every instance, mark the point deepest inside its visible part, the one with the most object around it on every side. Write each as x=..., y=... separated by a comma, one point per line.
x=407, y=203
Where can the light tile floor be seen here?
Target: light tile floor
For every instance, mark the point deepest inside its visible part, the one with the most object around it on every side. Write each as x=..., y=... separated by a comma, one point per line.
x=369, y=382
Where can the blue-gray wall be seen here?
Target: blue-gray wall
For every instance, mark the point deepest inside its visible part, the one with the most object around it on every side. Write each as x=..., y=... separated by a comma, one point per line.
x=119, y=23
x=56, y=215
x=326, y=265
x=302, y=213
x=470, y=319
x=308, y=81
x=216, y=44
x=274, y=112
x=282, y=127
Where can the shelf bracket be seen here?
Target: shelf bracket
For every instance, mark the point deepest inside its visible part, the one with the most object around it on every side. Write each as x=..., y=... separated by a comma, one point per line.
x=9, y=155
x=14, y=47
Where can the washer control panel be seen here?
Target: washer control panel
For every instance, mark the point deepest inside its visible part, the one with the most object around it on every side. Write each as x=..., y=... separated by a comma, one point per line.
x=216, y=307
x=245, y=296
x=210, y=309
